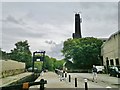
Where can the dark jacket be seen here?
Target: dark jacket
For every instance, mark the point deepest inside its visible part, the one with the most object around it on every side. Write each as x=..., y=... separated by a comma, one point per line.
x=94, y=69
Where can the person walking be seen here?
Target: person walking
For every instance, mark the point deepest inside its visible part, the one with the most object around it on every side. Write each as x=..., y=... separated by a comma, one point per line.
x=94, y=71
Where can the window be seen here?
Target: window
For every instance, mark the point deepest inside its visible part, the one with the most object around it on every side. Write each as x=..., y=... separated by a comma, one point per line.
x=111, y=62
x=117, y=61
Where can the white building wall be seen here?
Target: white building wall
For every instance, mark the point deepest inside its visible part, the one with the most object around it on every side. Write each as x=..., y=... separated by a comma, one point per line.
x=111, y=49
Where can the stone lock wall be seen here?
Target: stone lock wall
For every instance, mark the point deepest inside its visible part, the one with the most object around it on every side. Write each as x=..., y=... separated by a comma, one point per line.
x=10, y=67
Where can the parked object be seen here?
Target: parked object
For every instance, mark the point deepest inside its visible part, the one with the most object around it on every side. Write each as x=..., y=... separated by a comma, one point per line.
x=86, y=86
x=30, y=69
x=114, y=71
x=100, y=69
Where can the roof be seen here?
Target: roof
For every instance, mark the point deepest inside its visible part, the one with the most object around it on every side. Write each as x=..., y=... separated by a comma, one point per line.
x=114, y=34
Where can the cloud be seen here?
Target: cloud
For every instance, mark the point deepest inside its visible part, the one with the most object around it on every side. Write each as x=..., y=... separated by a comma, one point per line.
x=14, y=20
x=46, y=25
x=50, y=42
x=56, y=51
x=32, y=28
x=38, y=35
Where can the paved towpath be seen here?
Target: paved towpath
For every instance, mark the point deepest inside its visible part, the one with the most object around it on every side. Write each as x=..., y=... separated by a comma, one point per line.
x=53, y=81
x=103, y=80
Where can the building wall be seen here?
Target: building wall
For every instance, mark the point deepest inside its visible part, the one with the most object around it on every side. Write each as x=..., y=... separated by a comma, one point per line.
x=110, y=50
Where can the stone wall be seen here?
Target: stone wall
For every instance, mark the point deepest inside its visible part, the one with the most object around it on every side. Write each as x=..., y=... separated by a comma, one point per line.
x=10, y=67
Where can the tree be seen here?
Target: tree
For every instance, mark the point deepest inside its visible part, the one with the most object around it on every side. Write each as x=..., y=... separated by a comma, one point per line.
x=59, y=64
x=22, y=53
x=48, y=63
x=83, y=51
x=51, y=63
x=3, y=55
x=38, y=65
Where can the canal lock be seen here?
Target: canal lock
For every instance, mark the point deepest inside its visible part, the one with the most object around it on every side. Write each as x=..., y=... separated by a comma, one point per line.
x=18, y=85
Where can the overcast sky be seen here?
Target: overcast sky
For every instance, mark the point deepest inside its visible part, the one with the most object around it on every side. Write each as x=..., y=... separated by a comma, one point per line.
x=47, y=25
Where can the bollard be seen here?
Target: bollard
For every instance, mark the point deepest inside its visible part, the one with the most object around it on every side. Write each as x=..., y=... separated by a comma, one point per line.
x=65, y=75
x=42, y=82
x=86, y=87
x=69, y=78
x=62, y=74
x=75, y=82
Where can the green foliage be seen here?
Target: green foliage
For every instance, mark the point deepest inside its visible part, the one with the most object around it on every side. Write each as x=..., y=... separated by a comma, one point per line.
x=83, y=51
x=59, y=64
x=69, y=65
x=38, y=65
x=22, y=53
x=48, y=64
x=3, y=55
x=51, y=63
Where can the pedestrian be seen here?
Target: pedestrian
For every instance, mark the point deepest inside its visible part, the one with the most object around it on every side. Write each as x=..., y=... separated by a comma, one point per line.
x=62, y=75
x=94, y=71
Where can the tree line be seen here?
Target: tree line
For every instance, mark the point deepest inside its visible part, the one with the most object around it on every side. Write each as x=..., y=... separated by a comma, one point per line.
x=22, y=53
x=79, y=53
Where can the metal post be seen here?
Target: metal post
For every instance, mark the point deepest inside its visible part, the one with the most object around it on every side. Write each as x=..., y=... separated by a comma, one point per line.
x=65, y=74
x=43, y=60
x=42, y=82
x=33, y=62
x=62, y=74
x=86, y=87
x=69, y=78
x=42, y=87
x=75, y=82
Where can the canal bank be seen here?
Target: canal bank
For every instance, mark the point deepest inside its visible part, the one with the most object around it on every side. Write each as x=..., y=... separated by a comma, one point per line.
x=15, y=79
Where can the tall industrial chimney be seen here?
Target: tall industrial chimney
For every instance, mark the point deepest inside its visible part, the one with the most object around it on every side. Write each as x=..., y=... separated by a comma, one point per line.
x=77, y=33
